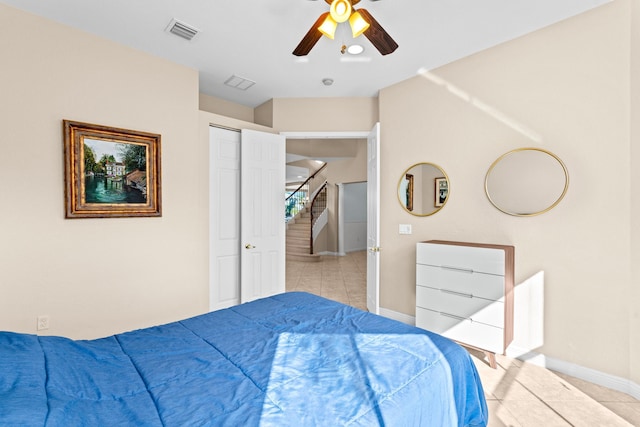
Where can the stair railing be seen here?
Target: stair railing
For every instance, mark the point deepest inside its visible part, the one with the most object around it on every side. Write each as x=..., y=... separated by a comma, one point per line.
x=296, y=201
x=299, y=198
x=318, y=213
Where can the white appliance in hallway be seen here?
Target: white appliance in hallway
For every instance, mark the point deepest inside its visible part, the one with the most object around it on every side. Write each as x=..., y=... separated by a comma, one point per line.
x=352, y=217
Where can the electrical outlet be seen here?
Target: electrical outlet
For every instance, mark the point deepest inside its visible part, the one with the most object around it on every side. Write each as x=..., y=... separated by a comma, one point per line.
x=43, y=322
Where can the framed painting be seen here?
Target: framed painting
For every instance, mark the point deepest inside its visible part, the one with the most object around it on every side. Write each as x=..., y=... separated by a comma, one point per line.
x=409, y=198
x=442, y=191
x=111, y=172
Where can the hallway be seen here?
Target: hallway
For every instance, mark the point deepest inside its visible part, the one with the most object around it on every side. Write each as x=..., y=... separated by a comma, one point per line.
x=340, y=278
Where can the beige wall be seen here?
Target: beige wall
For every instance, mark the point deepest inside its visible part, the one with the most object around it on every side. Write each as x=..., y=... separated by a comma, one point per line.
x=263, y=114
x=634, y=292
x=324, y=114
x=565, y=89
x=230, y=109
x=94, y=277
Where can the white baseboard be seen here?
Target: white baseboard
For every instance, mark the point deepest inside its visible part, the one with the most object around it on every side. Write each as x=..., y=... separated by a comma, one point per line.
x=400, y=317
x=596, y=377
x=327, y=253
x=339, y=253
x=593, y=376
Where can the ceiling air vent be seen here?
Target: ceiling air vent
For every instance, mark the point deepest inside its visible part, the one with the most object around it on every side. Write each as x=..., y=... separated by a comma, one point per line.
x=181, y=29
x=239, y=82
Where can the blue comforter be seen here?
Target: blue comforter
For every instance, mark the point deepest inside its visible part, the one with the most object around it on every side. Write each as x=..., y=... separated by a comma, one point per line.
x=293, y=359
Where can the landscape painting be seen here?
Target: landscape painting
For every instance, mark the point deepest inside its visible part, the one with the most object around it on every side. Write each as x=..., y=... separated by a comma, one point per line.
x=114, y=172
x=111, y=172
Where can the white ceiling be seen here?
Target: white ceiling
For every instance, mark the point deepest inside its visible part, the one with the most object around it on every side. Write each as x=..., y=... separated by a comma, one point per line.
x=254, y=38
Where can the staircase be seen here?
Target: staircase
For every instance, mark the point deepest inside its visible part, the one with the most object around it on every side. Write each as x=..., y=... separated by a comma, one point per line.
x=298, y=238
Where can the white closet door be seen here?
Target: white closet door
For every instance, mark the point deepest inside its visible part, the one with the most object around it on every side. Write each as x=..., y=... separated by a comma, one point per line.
x=224, y=218
x=262, y=183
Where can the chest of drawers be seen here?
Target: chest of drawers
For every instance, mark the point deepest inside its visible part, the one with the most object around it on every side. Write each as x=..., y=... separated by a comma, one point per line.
x=464, y=291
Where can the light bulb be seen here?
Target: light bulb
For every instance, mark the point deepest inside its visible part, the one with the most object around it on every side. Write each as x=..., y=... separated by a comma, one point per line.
x=358, y=24
x=328, y=27
x=340, y=10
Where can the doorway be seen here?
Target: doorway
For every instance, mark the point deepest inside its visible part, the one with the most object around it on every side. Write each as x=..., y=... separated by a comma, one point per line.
x=373, y=202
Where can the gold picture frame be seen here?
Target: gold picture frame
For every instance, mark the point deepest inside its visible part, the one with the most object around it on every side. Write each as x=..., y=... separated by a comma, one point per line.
x=111, y=172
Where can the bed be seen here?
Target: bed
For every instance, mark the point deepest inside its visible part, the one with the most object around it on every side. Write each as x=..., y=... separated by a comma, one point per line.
x=293, y=359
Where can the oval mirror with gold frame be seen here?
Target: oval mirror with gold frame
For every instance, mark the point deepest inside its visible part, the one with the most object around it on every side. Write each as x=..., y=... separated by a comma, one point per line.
x=526, y=182
x=423, y=189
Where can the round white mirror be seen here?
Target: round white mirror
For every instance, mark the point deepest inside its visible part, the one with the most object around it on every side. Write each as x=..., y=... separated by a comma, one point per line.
x=526, y=182
x=423, y=189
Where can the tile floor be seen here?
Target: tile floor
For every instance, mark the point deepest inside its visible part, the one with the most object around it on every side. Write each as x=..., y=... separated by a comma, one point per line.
x=340, y=278
x=518, y=394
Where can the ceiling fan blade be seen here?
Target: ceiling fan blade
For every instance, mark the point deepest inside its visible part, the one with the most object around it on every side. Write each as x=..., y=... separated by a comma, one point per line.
x=377, y=35
x=311, y=38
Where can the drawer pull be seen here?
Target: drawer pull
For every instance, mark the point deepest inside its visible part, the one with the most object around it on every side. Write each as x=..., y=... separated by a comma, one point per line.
x=453, y=316
x=459, y=294
x=462, y=270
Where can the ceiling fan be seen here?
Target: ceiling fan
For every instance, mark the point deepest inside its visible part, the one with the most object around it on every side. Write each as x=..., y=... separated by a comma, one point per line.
x=360, y=20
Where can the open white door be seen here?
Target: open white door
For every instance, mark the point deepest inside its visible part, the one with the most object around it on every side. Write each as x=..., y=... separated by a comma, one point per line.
x=224, y=218
x=373, y=219
x=262, y=231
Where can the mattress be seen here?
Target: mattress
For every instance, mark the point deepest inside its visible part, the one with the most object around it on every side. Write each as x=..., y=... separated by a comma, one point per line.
x=293, y=359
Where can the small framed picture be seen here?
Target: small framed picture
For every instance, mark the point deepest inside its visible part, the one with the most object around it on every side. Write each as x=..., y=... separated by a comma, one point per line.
x=110, y=172
x=442, y=191
x=409, y=195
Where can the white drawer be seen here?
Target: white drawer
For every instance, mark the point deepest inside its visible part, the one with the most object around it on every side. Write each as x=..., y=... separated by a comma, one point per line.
x=479, y=259
x=462, y=330
x=466, y=282
x=468, y=307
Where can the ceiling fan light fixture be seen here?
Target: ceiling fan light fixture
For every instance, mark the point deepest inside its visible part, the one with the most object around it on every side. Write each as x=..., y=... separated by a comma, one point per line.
x=362, y=23
x=328, y=27
x=340, y=10
x=355, y=49
x=358, y=24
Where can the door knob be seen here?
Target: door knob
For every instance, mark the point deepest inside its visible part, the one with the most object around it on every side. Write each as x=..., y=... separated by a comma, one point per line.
x=249, y=246
x=374, y=249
